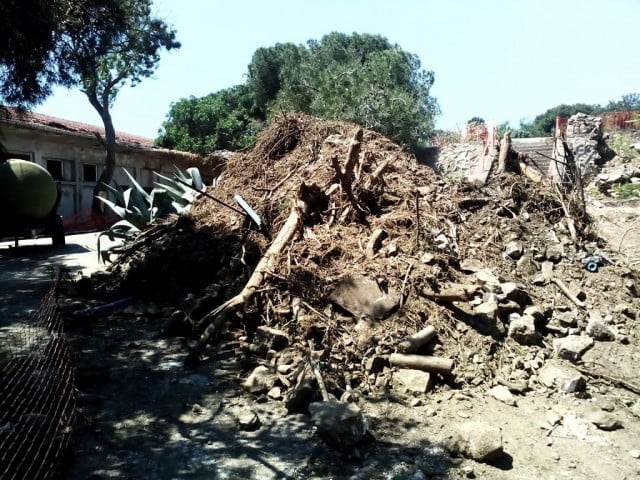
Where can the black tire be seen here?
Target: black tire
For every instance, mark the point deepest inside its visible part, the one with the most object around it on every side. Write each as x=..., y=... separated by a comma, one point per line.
x=57, y=232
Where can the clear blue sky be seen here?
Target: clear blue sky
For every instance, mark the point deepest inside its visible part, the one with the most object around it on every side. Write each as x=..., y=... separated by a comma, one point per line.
x=497, y=59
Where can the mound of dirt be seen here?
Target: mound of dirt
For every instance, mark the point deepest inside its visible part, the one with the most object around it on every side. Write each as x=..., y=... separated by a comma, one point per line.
x=383, y=248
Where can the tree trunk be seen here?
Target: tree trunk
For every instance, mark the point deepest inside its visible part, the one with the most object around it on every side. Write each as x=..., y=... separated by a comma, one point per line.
x=505, y=146
x=109, y=142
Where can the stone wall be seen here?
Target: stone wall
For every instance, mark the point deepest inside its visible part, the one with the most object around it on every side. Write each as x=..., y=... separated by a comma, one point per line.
x=584, y=138
x=457, y=159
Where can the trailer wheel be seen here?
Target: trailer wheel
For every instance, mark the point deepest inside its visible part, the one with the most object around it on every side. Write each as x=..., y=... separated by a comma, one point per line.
x=57, y=232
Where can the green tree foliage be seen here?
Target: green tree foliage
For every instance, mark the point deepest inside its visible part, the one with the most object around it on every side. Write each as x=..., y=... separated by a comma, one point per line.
x=96, y=45
x=630, y=101
x=219, y=121
x=543, y=124
x=476, y=120
x=359, y=78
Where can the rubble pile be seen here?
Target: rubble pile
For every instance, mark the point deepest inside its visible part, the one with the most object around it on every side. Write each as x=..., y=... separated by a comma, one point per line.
x=392, y=279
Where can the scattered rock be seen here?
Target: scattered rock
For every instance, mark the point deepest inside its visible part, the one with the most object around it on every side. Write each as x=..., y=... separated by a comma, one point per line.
x=514, y=249
x=468, y=472
x=487, y=277
x=572, y=347
x=487, y=309
x=376, y=363
x=554, y=253
x=516, y=292
x=536, y=312
x=502, y=393
x=525, y=266
x=339, y=424
x=555, y=374
x=362, y=297
x=248, y=421
x=604, y=421
x=523, y=330
x=476, y=440
x=413, y=380
x=634, y=453
x=260, y=380
x=298, y=398
x=275, y=393
x=598, y=330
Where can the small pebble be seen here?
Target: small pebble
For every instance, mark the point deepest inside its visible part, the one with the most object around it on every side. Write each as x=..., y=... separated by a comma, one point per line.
x=634, y=453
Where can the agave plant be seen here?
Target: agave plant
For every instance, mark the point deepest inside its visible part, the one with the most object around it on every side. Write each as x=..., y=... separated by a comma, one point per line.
x=138, y=209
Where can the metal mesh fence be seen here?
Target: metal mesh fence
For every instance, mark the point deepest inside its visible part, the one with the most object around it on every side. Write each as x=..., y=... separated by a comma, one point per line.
x=37, y=400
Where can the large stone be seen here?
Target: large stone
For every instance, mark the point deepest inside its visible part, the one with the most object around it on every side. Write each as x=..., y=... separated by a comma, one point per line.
x=362, y=297
x=413, y=380
x=555, y=374
x=598, y=330
x=514, y=249
x=476, y=440
x=488, y=309
x=572, y=347
x=260, y=380
x=523, y=330
x=516, y=292
x=525, y=266
x=555, y=252
x=339, y=424
x=503, y=394
x=604, y=421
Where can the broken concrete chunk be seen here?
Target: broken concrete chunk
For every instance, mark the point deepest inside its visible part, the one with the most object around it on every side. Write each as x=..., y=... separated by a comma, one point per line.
x=546, y=268
x=298, y=398
x=413, y=380
x=376, y=363
x=599, y=330
x=525, y=266
x=339, y=424
x=362, y=297
x=248, y=421
x=471, y=265
x=555, y=252
x=476, y=440
x=503, y=394
x=572, y=347
x=555, y=374
x=516, y=292
x=260, y=380
x=488, y=309
x=536, y=312
x=514, y=249
x=487, y=277
x=604, y=421
x=523, y=330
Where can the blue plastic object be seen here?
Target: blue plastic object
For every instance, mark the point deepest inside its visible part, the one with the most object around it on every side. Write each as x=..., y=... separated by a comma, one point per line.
x=592, y=267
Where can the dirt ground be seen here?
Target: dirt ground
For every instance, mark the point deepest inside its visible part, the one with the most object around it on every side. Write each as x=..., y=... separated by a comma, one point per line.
x=143, y=416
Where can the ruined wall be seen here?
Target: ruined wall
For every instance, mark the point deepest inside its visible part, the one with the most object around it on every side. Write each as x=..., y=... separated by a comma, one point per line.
x=584, y=138
x=457, y=159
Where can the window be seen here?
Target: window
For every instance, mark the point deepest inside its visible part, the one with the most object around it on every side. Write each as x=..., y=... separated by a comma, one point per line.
x=89, y=172
x=4, y=156
x=55, y=169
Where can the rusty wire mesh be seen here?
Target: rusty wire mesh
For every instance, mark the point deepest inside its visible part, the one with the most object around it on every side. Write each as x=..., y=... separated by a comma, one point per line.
x=37, y=400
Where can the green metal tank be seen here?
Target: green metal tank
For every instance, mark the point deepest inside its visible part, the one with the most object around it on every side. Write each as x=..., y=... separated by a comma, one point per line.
x=27, y=191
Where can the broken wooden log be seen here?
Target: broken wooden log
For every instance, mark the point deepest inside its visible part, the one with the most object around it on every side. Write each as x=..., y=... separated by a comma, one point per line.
x=267, y=263
x=567, y=292
x=414, y=342
x=505, y=146
x=421, y=362
x=453, y=293
x=374, y=243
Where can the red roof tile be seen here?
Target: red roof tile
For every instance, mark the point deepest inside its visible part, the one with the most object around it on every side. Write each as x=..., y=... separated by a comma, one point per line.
x=46, y=122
